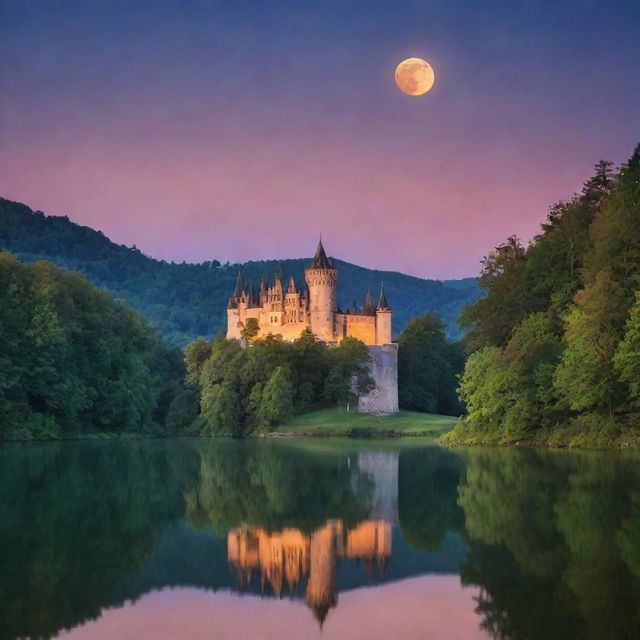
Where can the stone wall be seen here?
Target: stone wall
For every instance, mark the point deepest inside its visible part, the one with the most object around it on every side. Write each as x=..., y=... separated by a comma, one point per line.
x=384, y=370
x=360, y=327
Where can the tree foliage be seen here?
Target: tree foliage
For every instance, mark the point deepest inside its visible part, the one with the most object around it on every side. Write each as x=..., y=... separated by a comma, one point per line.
x=555, y=340
x=75, y=361
x=264, y=383
x=428, y=367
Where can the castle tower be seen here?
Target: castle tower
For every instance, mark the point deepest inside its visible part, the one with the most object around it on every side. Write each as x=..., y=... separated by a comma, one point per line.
x=321, y=280
x=383, y=319
x=263, y=292
x=234, y=325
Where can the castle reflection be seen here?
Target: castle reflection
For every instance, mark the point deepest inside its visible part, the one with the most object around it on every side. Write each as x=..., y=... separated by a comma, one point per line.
x=289, y=556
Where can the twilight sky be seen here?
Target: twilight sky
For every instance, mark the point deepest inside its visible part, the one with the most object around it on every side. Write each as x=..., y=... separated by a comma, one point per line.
x=239, y=130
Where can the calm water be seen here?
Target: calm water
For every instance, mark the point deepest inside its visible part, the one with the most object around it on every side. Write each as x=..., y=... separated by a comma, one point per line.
x=305, y=539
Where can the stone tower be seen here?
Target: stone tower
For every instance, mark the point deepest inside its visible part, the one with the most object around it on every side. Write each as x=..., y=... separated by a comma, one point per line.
x=321, y=280
x=383, y=319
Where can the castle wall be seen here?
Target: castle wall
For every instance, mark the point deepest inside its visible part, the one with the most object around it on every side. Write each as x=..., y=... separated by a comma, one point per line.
x=384, y=370
x=360, y=327
x=290, y=331
x=233, y=324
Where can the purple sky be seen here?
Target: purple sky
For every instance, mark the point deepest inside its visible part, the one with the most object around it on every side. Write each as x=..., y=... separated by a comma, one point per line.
x=241, y=130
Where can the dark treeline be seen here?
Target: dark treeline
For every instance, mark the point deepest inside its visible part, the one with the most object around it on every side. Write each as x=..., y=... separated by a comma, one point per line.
x=428, y=367
x=240, y=389
x=73, y=361
x=556, y=340
x=189, y=300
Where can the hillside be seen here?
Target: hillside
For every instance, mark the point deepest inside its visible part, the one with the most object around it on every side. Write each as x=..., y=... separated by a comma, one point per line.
x=186, y=300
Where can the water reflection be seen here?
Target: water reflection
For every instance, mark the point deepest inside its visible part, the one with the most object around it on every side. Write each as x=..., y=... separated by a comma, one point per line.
x=290, y=555
x=517, y=544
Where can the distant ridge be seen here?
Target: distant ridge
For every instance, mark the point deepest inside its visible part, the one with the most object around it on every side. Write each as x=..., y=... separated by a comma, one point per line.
x=185, y=300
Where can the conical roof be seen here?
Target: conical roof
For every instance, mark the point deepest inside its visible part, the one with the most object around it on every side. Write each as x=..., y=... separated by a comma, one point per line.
x=382, y=300
x=320, y=260
x=367, y=307
x=237, y=293
x=292, y=286
x=253, y=299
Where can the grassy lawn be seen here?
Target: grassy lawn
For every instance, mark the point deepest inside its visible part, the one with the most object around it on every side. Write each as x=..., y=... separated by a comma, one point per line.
x=337, y=422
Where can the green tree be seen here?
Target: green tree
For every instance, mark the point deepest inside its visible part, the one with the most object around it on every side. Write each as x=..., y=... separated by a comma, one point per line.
x=76, y=361
x=276, y=403
x=565, y=316
x=586, y=377
x=428, y=367
x=349, y=376
x=195, y=355
x=627, y=357
x=250, y=329
x=490, y=321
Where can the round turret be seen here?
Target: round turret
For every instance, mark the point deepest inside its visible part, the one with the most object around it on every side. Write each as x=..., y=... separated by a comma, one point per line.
x=321, y=280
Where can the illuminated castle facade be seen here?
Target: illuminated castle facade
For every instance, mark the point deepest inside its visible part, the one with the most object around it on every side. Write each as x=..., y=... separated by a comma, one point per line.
x=291, y=311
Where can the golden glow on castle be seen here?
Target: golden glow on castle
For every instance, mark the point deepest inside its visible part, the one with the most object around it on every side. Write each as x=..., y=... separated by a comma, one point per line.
x=288, y=313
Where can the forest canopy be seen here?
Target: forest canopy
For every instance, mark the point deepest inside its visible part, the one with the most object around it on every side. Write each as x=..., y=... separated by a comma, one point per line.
x=244, y=389
x=73, y=361
x=555, y=343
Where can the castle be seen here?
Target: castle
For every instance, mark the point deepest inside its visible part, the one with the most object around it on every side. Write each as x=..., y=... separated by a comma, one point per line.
x=288, y=313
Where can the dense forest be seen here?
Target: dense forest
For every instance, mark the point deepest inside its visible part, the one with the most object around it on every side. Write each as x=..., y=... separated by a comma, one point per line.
x=189, y=300
x=428, y=367
x=243, y=389
x=556, y=340
x=73, y=361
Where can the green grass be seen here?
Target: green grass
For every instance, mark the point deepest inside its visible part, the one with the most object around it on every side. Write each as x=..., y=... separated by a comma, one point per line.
x=338, y=422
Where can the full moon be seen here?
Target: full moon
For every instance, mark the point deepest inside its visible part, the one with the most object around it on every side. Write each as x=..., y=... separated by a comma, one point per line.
x=414, y=76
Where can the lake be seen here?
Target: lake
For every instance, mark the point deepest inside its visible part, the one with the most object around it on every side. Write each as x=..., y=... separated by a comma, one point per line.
x=296, y=538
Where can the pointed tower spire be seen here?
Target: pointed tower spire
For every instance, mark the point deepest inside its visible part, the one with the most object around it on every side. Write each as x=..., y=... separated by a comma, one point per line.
x=292, y=286
x=253, y=301
x=239, y=287
x=237, y=292
x=382, y=300
x=320, y=260
x=367, y=307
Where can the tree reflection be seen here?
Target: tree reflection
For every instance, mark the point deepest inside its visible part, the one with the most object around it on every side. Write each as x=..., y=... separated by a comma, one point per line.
x=428, y=490
x=272, y=487
x=73, y=521
x=548, y=534
x=552, y=538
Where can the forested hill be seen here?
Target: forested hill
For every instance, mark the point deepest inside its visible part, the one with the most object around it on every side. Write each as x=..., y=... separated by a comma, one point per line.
x=186, y=300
